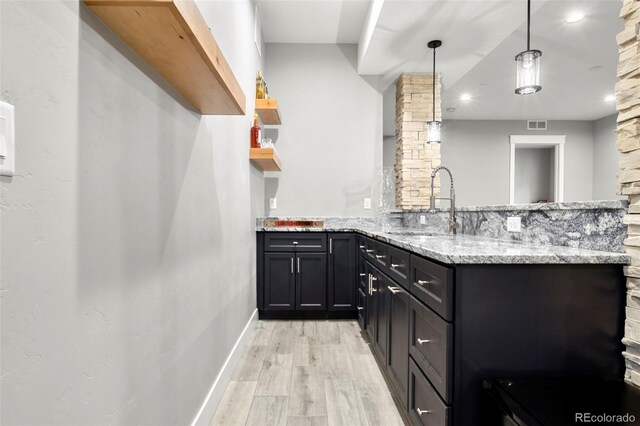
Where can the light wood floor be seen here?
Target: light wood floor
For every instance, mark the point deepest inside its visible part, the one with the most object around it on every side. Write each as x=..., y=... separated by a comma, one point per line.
x=307, y=373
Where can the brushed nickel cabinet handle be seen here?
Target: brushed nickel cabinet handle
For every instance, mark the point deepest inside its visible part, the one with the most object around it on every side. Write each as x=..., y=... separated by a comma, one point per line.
x=362, y=275
x=360, y=308
x=424, y=282
x=421, y=341
x=361, y=247
x=298, y=265
x=374, y=278
x=379, y=256
x=369, y=251
x=395, y=265
x=394, y=290
x=421, y=412
x=295, y=243
x=330, y=245
x=292, y=265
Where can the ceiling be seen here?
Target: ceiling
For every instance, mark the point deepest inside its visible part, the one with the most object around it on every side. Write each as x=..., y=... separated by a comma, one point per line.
x=480, y=39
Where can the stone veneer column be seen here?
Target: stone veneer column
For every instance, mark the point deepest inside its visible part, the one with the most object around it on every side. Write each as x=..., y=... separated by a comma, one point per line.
x=415, y=160
x=628, y=141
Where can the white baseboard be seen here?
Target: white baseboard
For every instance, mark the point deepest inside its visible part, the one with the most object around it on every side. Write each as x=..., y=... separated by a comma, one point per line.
x=208, y=408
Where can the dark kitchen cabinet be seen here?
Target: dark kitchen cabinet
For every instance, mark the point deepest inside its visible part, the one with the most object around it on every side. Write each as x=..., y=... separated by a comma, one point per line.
x=279, y=281
x=377, y=312
x=307, y=275
x=398, y=354
x=311, y=281
x=342, y=272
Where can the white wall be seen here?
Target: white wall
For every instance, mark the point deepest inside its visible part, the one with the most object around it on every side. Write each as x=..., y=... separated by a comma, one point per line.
x=128, y=265
x=533, y=175
x=478, y=154
x=330, y=141
x=389, y=152
x=605, y=159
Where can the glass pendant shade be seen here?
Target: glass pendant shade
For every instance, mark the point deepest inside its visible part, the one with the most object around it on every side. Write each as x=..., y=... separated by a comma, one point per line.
x=528, y=72
x=433, y=132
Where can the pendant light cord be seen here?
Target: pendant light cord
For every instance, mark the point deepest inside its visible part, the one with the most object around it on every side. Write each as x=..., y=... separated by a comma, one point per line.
x=528, y=25
x=434, y=84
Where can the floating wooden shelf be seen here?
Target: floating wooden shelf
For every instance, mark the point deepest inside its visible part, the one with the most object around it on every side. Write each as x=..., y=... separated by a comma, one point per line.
x=265, y=159
x=267, y=110
x=173, y=37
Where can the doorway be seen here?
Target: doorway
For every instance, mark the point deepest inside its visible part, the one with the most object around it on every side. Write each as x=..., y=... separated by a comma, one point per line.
x=536, y=169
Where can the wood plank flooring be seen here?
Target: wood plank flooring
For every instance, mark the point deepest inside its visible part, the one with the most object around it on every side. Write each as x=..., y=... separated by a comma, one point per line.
x=299, y=373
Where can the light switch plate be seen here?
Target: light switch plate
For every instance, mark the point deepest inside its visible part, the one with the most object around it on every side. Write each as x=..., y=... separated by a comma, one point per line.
x=367, y=203
x=273, y=203
x=514, y=224
x=423, y=219
x=7, y=140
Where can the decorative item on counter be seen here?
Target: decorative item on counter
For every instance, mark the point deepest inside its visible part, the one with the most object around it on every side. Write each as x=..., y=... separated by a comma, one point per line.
x=266, y=143
x=255, y=133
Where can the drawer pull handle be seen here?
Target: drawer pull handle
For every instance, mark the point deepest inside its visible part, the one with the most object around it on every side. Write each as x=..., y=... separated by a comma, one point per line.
x=379, y=256
x=360, y=308
x=421, y=412
x=374, y=278
x=362, y=275
x=421, y=341
x=295, y=243
x=424, y=282
x=361, y=247
x=369, y=251
x=373, y=290
x=395, y=265
x=394, y=290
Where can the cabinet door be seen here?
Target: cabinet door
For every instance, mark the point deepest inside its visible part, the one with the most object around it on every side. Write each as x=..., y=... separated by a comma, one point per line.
x=362, y=309
x=382, y=319
x=342, y=272
x=279, y=281
x=372, y=304
x=398, y=354
x=311, y=281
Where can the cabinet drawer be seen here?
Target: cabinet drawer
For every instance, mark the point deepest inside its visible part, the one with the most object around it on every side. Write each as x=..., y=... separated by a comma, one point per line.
x=425, y=406
x=398, y=262
x=295, y=241
x=430, y=345
x=361, y=245
x=380, y=255
x=369, y=249
x=433, y=285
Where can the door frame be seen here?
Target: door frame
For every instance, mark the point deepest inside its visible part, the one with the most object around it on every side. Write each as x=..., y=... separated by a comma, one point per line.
x=538, y=141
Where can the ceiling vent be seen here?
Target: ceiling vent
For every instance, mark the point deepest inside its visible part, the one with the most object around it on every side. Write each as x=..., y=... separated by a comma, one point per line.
x=536, y=124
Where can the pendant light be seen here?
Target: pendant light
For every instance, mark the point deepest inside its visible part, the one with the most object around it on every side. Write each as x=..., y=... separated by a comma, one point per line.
x=433, y=126
x=528, y=64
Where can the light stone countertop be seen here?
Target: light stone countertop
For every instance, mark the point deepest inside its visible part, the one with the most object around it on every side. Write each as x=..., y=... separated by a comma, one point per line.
x=469, y=249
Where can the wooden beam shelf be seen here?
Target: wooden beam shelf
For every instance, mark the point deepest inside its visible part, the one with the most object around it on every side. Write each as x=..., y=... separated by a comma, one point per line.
x=265, y=159
x=173, y=37
x=267, y=110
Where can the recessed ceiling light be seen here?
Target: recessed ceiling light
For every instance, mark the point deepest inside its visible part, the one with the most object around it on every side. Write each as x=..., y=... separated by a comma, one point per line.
x=574, y=17
x=610, y=98
x=465, y=97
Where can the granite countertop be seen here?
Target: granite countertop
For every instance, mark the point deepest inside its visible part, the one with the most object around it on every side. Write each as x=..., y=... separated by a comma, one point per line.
x=567, y=205
x=469, y=249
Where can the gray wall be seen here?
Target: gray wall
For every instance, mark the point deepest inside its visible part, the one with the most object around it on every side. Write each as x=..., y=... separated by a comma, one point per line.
x=389, y=152
x=478, y=154
x=128, y=266
x=605, y=159
x=533, y=175
x=330, y=141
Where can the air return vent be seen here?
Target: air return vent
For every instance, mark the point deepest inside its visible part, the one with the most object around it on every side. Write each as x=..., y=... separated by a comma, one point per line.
x=536, y=124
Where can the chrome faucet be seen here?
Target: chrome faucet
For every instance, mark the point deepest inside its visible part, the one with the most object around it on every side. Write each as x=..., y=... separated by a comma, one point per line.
x=453, y=224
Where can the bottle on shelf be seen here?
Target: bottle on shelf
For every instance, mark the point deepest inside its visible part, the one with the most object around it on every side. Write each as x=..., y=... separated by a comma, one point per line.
x=255, y=133
x=260, y=86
